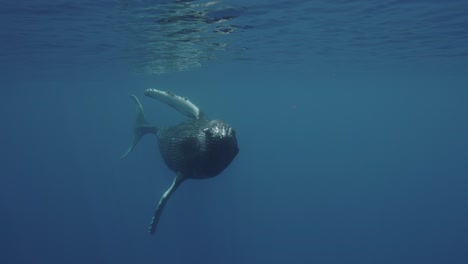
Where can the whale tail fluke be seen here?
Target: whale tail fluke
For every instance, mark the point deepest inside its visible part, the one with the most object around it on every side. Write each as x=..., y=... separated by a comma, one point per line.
x=141, y=128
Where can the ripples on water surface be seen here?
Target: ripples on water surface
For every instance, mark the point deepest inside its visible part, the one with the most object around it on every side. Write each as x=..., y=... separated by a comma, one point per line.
x=176, y=36
x=162, y=36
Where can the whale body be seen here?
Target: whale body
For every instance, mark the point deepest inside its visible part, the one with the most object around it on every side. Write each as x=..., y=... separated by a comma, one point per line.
x=198, y=148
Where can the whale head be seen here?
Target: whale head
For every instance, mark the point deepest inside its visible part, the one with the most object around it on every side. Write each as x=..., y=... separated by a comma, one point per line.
x=218, y=146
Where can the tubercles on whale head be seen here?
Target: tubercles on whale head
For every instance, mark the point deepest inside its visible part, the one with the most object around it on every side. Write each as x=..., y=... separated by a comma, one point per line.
x=219, y=129
x=220, y=147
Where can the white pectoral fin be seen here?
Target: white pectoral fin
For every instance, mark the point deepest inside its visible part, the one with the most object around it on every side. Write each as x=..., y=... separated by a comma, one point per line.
x=181, y=104
x=162, y=202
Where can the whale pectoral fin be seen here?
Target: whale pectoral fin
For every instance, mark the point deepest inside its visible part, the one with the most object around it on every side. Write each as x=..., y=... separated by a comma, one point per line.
x=141, y=126
x=162, y=202
x=181, y=104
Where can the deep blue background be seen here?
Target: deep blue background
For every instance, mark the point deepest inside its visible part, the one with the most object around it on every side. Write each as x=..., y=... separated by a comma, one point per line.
x=353, y=139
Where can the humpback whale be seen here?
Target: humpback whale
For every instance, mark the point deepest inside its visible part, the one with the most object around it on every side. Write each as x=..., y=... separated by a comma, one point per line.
x=198, y=148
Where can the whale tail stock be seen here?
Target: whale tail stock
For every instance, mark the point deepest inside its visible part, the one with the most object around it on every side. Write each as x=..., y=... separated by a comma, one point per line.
x=141, y=128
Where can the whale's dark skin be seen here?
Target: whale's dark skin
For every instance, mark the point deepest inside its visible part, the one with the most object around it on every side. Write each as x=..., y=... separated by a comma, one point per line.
x=198, y=148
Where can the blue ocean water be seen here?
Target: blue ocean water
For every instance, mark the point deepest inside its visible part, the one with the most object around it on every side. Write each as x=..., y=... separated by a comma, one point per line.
x=351, y=118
